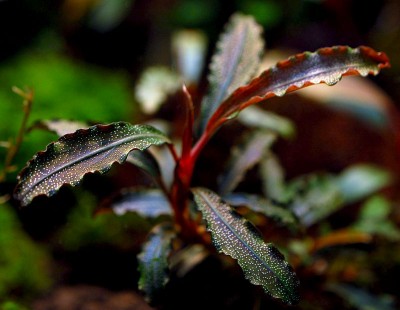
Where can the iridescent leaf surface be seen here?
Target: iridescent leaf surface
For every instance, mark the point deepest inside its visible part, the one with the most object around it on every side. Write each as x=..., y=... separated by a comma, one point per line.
x=87, y=150
x=262, y=263
x=153, y=260
x=235, y=62
x=244, y=157
x=147, y=203
x=326, y=65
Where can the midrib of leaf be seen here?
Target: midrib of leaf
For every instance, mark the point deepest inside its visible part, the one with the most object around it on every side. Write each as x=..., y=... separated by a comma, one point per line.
x=342, y=69
x=220, y=216
x=281, y=89
x=108, y=147
x=153, y=260
x=231, y=73
x=234, y=63
x=361, y=60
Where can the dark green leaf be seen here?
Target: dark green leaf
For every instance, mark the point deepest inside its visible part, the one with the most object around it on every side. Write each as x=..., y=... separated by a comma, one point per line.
x=235, y=62
x=145, y=161
x=262, y=263
x=264, y=206
x=87, y=150
x=147, y=203
x=153, y=261
x=244, y=157
x=326, y=65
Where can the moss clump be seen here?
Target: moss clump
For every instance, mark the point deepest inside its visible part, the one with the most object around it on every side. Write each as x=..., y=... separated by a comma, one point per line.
x=24, y=265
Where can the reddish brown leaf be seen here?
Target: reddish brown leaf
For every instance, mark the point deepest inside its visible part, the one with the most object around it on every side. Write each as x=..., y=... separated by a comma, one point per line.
x=326, y=65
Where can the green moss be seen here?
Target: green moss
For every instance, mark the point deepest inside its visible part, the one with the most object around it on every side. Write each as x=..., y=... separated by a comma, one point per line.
x=24, y=265
x=85, y=229
x=63, y=89
x=11, y=305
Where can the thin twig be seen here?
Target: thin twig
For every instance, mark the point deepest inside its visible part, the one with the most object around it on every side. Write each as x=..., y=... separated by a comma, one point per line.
x=173, y=151
x=4, y=199
x=14, y=147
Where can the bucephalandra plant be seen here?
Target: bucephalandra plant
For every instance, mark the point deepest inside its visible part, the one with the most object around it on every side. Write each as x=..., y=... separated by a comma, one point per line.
x=232, y=88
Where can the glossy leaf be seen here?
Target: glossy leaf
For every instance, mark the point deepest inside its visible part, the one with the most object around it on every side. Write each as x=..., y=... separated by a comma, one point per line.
x=61, y=127
x=244, y=157
x=147, y=203
x=153, y=261
x=87, y=150
x=145, y=161
x=326, y=65
x=235, y=62
x=264, y=206
x=262, y=263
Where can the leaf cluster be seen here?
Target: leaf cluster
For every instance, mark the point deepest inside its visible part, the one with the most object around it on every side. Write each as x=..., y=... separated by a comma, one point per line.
x=194, y=214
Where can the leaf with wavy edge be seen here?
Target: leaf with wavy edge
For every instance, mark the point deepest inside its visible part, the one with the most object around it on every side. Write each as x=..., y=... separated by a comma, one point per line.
x=326, y=65
x=87, y=150
x=237, y=58
x=61, y=127
x=244, y=157
x=153, y=260
x=262, y=263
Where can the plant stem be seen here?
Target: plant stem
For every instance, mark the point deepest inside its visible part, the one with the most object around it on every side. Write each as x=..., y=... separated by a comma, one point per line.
x=173, y=152
x=201, y=143
x=14, y=147
x=180, y=190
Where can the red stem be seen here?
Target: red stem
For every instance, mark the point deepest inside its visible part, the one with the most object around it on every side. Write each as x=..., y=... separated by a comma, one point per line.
x=173, y=152
x=180, y=191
